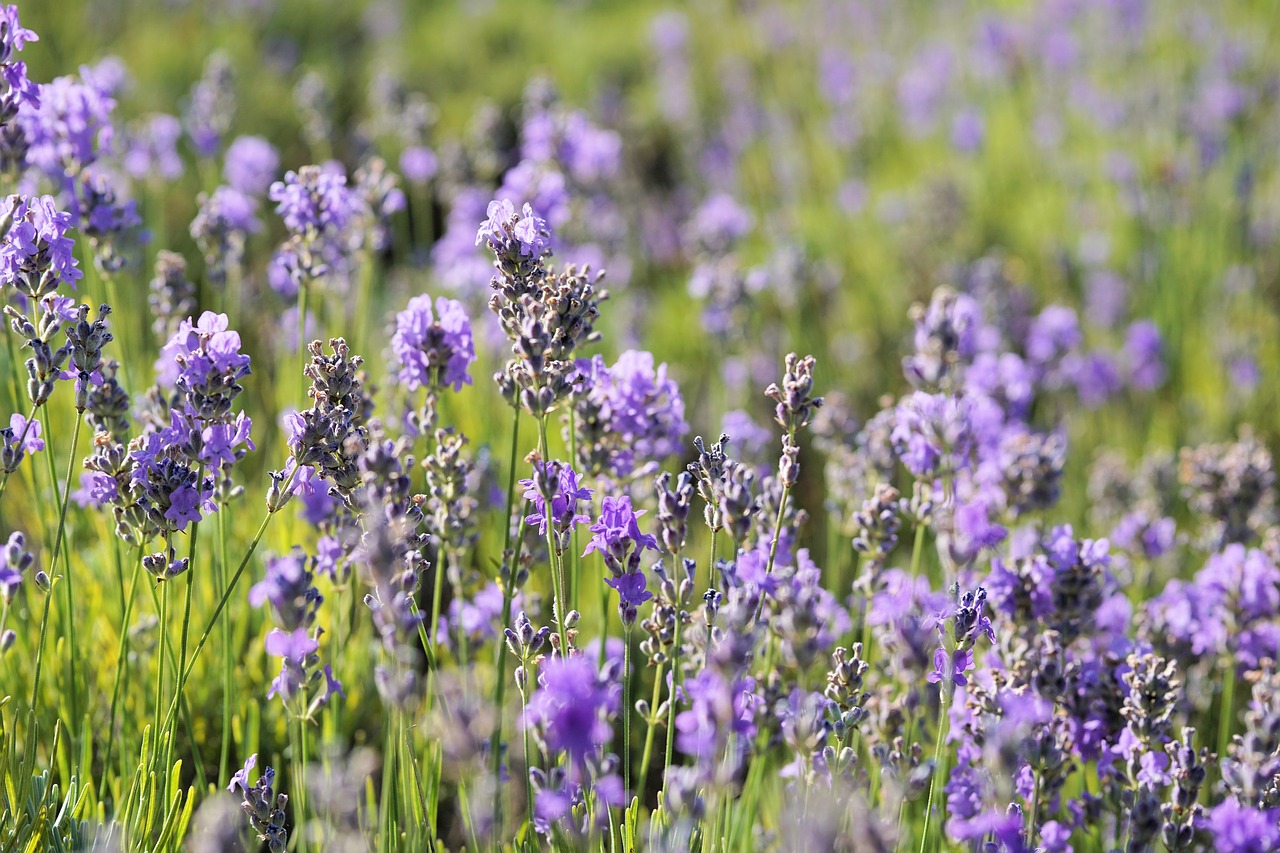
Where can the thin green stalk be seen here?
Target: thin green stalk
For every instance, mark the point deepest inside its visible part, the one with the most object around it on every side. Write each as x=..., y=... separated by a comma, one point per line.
x=557, y=570
x=155, y=730
x=1226, y=717
x=186, y=609
x=303, y=292
x=73, y=648
x=944, y=719
x=675, y=678
x=652, y=727
x=122, y=656
x=528, y=788
x=44, y=625
x=222, y=602
x=388, y=773
x=224, y=753
x=300, y=784
x=626, y=733
x=500, y=661
x=575, y=559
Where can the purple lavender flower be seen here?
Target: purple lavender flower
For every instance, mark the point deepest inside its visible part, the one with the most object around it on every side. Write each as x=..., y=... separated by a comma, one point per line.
x=251, y=165
x=618, y=530
x=203, y=360
x=628, y=413
x=96, y=490
x=13, y=36
x=418, y=164
x=36, y=253
x=565, y=496
x=296, y=648
x=70, y=127
x=719, y=224
x=1240, y=829
x=506, y=232
x=433, y=351
x=265, y=808
x=968, y=130
x=23, y=435
x=932, y=433
x=718, y=707
x=153, y=149
x=1144, y=356
x=631, y=591
x=951, y=666
x=572, y=708
x=288, y=587
x=316, y=199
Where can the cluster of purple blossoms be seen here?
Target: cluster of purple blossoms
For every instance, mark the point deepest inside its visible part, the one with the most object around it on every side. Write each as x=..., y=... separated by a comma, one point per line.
x=251, y=165
x=514, y=235
x=433, y=351
x=629, y=416
x=265, y=807
x=618, y=540
x=289, y=587
x=36, y=254
x=570, y=713
x=70, y=128
x=324, y=218
x=17, y=88
x=555, y=490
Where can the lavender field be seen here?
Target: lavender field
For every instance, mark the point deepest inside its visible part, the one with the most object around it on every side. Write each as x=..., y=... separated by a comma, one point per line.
x=727, y=425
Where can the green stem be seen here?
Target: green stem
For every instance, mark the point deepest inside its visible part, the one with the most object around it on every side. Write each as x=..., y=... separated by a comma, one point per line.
x=944, y=719
x=303, y=292
x=73, y=649
x=650, y=729
x=300, y=785
x=388, y=774
x=186, y=608
x=675, y=679
x=575, y=560
x=626, y=735
x=528, y=788
x=557, y=569
x=1226, y=718
x=44, y=625
x=217, y=611
x=162, y=628
x=122, y=655
x=500, y=662
x=224, y=753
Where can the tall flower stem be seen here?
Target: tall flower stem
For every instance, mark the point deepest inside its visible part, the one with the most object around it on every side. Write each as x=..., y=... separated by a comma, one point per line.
x=299, y=738
x=557, y=568
x=222, y=602
x=186, y=607
x=528, y=788
x=575, y=559
x=224, y=753
x=44, y=626
x=946, y=690
x=303, y=291
x=500, y=660
x=650, y=729
x=73, y=653
x=627, y=830
x=1226, y=717
x=122, y=656
x=675, y=679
